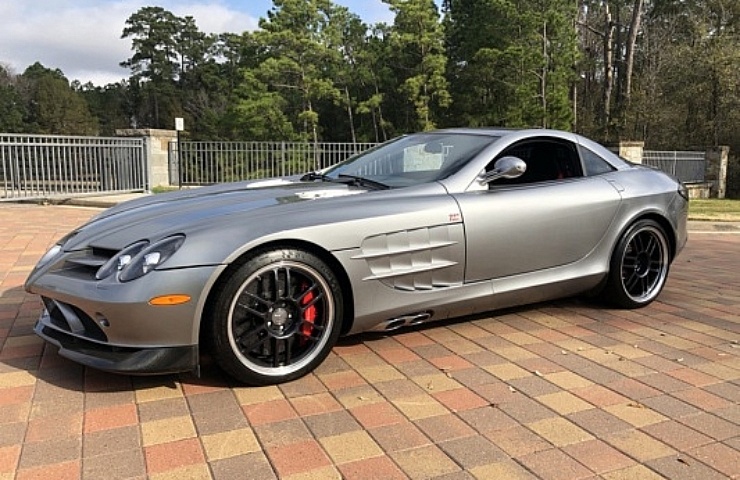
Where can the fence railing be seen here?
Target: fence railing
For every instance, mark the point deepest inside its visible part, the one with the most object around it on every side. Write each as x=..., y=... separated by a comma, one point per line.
x=41, y=166
x=201, y=163
x=688, y=167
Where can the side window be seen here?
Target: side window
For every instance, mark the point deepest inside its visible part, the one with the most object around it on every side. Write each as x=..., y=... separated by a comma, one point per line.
x=592, y=163
x=547, y=159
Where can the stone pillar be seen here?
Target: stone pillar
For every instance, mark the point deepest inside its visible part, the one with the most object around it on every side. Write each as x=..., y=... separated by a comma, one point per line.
x=716, y=170
x=156, y=151
x=632, y=151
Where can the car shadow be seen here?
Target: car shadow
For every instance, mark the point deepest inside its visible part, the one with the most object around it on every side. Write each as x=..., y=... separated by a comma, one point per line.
x=21, y=350
x=572, y=302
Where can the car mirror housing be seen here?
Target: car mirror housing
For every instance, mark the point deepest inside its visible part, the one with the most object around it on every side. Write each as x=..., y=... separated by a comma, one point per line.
x=505, y=167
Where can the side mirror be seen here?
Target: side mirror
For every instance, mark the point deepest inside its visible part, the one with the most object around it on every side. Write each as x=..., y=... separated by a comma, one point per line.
x=505, y=167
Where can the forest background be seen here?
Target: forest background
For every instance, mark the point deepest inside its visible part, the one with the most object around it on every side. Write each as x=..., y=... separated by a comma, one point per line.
x=666, y=72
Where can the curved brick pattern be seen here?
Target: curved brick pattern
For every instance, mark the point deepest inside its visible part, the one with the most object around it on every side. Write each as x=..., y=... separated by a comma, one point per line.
x=557, y=390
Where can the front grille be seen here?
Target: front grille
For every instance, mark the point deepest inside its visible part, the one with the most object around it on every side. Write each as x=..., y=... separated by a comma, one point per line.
x=73, y=320
x=85, y=264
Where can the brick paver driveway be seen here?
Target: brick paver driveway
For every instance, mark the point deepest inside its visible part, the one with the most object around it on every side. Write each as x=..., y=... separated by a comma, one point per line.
x=561, y=390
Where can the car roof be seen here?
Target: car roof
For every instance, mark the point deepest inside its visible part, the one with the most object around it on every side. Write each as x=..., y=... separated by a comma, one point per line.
x=493, y=131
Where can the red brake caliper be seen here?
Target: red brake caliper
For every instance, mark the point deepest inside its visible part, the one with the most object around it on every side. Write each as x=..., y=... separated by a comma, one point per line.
x=309, y=316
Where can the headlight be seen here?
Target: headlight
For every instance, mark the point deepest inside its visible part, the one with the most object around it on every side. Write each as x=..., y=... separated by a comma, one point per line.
x=51, y=253
x=150, y=257
x=55, y=250
x=124, y=257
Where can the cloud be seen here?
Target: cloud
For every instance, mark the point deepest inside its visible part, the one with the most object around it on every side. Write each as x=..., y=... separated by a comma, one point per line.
x=82, y=37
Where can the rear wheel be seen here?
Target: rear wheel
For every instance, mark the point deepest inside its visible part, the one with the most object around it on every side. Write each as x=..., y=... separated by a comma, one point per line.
x=276, y=317
x=639, y=266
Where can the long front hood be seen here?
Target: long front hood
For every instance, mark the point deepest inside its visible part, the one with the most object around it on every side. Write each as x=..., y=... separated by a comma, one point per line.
x=190, y=210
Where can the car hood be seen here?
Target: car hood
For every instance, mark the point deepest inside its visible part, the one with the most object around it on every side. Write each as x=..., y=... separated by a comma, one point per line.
x=187, y=211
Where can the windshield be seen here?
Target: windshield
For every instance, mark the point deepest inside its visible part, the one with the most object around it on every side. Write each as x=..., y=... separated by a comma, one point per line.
x=413, y=159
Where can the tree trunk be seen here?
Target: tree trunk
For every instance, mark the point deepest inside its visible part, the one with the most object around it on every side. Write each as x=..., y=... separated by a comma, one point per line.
x=543, y=78
x=349, y=114
x=608, y=68
x=629, y=59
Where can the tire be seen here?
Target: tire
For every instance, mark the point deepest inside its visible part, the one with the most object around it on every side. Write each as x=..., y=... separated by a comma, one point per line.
x=639, y=266
x=276, y=317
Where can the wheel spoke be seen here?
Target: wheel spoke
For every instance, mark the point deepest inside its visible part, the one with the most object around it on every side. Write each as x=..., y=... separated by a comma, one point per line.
x=253, y=339
x=282, y=283
x=651, y=246
x=310, y=304
x=639, y=244
x=256, y=298
x=645, y=285
x=251, y=310
x=289, y=349
x=275, y=352
x=630, y=260
x=632, y=281
x=288, y=281
x=303, y=293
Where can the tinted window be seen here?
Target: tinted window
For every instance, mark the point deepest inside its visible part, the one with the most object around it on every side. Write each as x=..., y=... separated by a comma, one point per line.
x=594, y=164
x=547, y=159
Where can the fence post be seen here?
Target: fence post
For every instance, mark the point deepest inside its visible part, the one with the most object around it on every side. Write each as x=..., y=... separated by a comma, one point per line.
x=282, y=159
x=632, y=151
x=156, y=153
x=716, y=170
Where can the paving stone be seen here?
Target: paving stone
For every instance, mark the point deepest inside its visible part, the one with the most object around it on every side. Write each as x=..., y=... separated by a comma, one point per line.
x=638, y=445
x=554, y=464
x=444, y=427
x=351, y=447
x=297, y=458
x=598, y=456
x=399, y=436
x=473, y=451
x=371, y=469
x=234, y=467
x=564, y=389
x=684, y=467
x=721, y=457
x=424, y=462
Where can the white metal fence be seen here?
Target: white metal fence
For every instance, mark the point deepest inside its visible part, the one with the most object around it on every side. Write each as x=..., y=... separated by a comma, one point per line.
x=201, y=163
x=45, y=166
x=688, y=167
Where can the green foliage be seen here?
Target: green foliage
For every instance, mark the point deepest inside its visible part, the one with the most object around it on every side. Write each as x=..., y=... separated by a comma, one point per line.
x=257, y=114
x=512, y=62
x=314, y=71
x=419, y=61
x=52, y=106
x=12, y=108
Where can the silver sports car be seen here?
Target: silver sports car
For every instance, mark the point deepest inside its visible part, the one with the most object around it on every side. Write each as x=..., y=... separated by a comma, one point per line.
x=268, y=274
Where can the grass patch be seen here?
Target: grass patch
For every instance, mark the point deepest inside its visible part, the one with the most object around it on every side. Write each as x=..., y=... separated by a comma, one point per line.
x=714, y=209
x=163, y=189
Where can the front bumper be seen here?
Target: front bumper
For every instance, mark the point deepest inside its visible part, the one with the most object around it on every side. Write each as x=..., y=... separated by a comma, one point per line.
x=128, y=360
x=111, y=326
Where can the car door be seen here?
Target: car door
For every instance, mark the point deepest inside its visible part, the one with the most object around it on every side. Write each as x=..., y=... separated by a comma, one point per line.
x=551, y=216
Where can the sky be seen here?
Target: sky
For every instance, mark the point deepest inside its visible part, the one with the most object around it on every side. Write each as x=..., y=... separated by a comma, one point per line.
x=82, y=38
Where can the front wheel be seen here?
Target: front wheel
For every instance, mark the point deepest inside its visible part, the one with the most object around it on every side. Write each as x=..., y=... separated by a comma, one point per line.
x=276, y=317
x=639, y=266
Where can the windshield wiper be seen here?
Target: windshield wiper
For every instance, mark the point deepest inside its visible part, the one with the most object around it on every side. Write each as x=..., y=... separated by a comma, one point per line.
x=363, y=182
x=311, y=176
x=345, y=179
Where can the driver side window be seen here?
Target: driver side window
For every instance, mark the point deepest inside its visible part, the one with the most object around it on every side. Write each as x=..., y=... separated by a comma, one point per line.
x=547, y=159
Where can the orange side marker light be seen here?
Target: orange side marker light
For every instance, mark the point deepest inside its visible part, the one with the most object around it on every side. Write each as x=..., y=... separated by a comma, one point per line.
x=168, y=300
